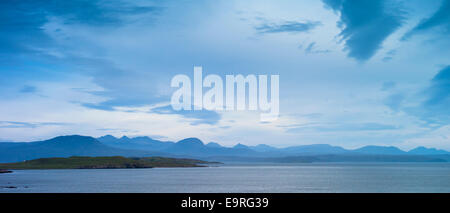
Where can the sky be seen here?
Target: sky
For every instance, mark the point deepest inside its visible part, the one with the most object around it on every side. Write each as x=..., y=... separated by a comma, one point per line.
x=352, y=72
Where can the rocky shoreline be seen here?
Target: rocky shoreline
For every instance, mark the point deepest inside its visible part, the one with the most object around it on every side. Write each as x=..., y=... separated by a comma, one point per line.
x=5, y=171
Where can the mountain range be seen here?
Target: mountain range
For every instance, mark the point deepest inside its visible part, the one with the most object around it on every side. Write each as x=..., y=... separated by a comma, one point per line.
x=75, y=145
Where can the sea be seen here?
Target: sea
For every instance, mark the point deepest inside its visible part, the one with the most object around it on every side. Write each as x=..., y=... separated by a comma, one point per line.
x=239, y=178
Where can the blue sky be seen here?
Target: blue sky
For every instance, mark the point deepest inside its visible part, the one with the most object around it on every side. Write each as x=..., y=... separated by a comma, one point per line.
x=352, y=72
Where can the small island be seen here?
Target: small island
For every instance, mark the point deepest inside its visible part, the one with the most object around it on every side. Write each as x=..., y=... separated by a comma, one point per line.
x=115, y=162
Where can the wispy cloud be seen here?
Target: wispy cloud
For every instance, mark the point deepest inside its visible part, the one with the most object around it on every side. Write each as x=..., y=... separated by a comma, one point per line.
x=338, y=127
x=394, y=101
x=438, y=101
x=388, y=85
x=102, y=66
x=287, y=27
x=430, y=104
x=389, y=55
x=312, y=49
x=196, y=117
x=439, y=21
x=28, y=89
x=365, y=24
x=98, y=106
x=21, y=28
x=18, y=124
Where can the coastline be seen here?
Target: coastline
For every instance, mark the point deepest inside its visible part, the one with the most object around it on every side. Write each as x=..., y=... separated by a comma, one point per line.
x=114, y=162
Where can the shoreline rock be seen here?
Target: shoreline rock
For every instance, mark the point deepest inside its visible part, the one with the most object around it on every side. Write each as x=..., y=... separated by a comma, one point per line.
x=8, y=187
x=5, y=171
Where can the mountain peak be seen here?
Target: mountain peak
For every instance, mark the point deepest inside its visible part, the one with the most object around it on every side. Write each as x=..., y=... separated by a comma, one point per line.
x=263, y=148
x=190, y=141
x=385, y=150
x=213, y=144
x=421, y=150
x=240, y=146
x=315, y=149
x=142, y=138
x=108, y=137
x=69, y=141
x=72, y=138
x=124, y=137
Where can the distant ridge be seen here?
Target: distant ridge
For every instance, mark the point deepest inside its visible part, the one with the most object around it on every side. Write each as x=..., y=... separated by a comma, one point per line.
x=108, y=145
x=240, y=146
x=196, y=148
x=427, y=151
x=63, y=146
x=214, y=144
x=138, y=143
x=315, y=149
x=152, y=144
x=380, y=150
x=263, y=148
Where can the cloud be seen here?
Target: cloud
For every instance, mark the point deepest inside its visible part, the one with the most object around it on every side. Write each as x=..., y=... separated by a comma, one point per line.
x=365, y=24
x=394, y=101
x=196, y=116
x=18, y=124
x=311, y=49
x=439, y=21
x=125, y=60
x=438, y=101
x=98, y=106
x=338, y=127
x=389, y=56
x=28, y=89
x=430, y=104
x=287, y=27
x=35, y=29
x=440, y=87
x=388, y=85
x=53, y=39
x=21, y=29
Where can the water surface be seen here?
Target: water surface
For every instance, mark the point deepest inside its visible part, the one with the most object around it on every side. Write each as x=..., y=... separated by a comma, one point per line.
x=337, y=177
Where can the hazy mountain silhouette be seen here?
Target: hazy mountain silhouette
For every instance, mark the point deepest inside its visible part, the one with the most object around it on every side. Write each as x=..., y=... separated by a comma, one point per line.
x=241, y=146
x=137, y=143
x=188, y=146
x=380, y=150
x=427, y=151
x=195, y=147
x=263, y=148
x=63, y=146
x=315, y=149
x=75, y=145
x=213, y=144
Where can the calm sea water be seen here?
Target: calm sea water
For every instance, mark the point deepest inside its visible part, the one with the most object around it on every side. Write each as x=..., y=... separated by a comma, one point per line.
x=376, y=177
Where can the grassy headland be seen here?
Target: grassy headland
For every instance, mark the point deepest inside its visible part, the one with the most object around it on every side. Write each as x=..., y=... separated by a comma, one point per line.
x=116, y=162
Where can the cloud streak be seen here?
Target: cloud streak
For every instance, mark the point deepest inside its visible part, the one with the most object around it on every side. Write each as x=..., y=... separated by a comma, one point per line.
x=196, y=117
x=287, y=27
x=350, y=127
x=440, y=21
x=365, y=24
x=430, y=104
x=18, y=124
x=312, y=49
x=21, y=26
x=438, y=100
